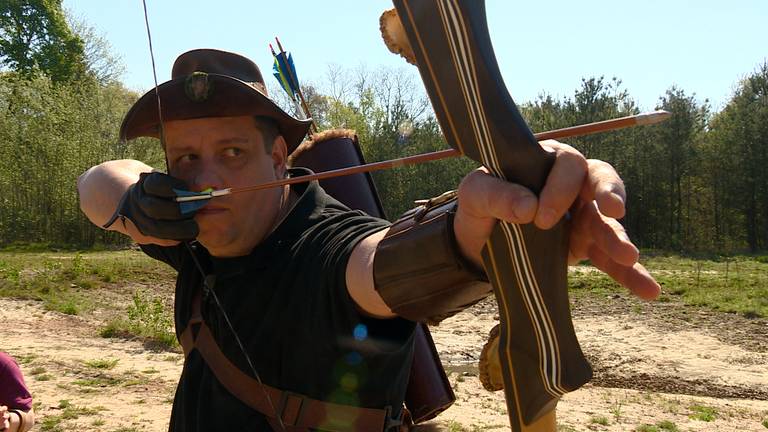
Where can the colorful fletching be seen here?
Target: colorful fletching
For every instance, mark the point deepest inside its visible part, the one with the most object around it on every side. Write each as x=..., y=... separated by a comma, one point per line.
x=285, y=72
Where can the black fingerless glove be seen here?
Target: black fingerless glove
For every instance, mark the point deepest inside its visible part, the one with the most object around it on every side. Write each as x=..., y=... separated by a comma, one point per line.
x=150, y=205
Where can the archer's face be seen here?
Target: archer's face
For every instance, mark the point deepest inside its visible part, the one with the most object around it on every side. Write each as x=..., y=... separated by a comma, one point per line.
x=225, y=152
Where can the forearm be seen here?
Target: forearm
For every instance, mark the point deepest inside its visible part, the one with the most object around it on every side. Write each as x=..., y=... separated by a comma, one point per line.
x=101, y=187
x=415, y=269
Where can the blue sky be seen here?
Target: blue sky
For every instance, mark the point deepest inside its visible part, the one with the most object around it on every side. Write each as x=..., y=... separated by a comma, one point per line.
x=703, y=46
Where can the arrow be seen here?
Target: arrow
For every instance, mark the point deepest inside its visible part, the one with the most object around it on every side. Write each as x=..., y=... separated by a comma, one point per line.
x=642, y=119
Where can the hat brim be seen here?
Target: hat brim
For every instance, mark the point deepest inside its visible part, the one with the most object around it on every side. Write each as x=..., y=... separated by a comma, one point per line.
x=226, y=97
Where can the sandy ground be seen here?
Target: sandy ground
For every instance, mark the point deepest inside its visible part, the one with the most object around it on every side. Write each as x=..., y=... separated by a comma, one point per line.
x=654, y=363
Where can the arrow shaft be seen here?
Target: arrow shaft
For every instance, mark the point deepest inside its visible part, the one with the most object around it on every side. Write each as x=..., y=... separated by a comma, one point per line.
x=569, y=132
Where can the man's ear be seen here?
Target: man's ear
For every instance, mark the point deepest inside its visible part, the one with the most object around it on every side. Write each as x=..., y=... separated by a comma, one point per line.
x=279, y=156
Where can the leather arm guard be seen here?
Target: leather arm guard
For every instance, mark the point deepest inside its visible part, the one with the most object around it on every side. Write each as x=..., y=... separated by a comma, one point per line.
x=418, y=269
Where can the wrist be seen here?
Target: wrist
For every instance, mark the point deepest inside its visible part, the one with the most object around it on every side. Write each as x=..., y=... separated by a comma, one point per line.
x=469, y=242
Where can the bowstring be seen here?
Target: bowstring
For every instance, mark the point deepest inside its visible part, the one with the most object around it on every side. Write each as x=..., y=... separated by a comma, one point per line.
x=199, y=267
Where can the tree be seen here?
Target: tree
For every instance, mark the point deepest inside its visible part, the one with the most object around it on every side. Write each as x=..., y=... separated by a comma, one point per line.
x=99, y=60
x=740, y=145
x=35, y=37
x=678, y=139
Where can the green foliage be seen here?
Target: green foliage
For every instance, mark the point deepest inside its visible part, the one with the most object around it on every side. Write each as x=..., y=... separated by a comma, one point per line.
x=102, y=363
x=616, y=410
x=35, y=37
x=51, y=423
x=72, y=412
x=99, y=381
x=738, y=153
x=48, y=280
x=65, y=281
x=49, y=135
x=147, y=318
x=703, y=413
x=694, y=183
x=390, y=114
x=149, y=313
x=101, y=64
x=666, y=425
x=737, y=284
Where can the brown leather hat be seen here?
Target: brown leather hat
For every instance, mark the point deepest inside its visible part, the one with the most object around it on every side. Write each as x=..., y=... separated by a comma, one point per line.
x=210, y=83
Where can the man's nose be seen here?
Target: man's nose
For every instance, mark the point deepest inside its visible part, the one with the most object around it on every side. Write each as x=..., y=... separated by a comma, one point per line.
x=207, y=176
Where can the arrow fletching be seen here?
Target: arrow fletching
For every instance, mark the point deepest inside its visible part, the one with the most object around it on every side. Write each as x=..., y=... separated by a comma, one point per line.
x=285, y=73
x=190, y=201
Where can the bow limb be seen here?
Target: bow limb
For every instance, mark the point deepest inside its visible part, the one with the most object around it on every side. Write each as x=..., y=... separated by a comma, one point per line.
x=540, y=355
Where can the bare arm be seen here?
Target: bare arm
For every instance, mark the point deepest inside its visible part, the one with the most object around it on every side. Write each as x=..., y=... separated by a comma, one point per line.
x=360, y=278
x=101, y=188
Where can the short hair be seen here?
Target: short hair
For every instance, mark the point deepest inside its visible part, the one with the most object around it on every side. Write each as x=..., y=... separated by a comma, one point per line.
x=269, y=131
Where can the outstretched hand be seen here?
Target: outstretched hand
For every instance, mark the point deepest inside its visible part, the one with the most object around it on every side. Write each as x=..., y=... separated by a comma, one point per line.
x=590, y=189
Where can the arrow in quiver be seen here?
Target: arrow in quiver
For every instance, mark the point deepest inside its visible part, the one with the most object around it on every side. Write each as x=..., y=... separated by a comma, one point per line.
x=540, y=355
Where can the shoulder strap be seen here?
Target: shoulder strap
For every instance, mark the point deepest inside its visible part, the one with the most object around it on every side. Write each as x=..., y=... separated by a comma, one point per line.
x=299, y=413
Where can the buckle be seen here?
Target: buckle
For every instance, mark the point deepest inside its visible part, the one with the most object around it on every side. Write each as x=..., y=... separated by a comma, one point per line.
x=283, y=408
x=426, y=205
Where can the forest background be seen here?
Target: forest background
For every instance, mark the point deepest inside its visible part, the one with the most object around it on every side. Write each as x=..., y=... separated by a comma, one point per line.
x=697, y=183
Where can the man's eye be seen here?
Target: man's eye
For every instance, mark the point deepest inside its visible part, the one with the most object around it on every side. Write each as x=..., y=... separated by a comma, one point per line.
x=186, y=158
x=232, y=151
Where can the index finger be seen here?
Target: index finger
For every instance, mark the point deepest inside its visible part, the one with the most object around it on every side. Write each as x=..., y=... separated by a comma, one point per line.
x=635, y=277
x=604, y=186
x=562, y=185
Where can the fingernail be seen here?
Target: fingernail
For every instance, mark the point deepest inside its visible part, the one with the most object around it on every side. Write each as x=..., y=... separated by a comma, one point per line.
x=546, y=218
x=617, y=197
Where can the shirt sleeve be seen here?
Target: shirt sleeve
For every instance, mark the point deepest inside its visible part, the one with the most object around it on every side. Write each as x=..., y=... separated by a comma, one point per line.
x=336, y=239
x=13, y=391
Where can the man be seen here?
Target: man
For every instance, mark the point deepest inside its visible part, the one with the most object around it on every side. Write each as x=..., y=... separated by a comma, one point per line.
x=286, y=281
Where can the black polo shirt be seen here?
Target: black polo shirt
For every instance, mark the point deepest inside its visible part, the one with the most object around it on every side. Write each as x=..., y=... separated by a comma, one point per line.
x=289, y=305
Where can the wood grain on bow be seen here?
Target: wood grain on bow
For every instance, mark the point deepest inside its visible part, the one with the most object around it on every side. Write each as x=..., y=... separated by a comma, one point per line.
x=540, y=355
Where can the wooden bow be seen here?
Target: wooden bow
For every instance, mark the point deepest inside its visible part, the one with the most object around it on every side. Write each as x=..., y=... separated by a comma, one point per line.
x=540, y=355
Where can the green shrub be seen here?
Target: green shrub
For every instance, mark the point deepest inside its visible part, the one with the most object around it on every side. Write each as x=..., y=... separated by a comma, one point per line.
x=148, y=318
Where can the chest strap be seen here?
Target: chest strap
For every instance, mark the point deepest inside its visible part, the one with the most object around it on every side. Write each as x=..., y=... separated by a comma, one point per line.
x=298, y=412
